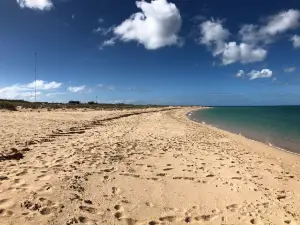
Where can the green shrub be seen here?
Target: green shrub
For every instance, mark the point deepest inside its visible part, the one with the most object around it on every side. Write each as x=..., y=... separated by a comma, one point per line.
x=8, y=106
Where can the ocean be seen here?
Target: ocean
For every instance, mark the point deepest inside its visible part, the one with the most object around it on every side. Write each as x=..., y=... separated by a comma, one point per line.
x=276, y=125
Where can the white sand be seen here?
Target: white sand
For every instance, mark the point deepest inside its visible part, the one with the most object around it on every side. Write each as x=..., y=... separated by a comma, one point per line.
x=152, y=168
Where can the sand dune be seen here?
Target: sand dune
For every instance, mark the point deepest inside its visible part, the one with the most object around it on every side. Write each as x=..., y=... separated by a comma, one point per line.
x=140, y=167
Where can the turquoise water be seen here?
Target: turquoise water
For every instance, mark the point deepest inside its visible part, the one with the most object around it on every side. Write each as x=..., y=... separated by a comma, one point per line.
x=278, y=125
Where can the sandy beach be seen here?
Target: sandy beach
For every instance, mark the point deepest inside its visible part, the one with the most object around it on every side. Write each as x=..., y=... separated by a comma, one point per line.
x=139, y=167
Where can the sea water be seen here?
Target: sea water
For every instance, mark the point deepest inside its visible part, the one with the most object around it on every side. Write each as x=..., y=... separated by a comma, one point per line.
x=275, y=125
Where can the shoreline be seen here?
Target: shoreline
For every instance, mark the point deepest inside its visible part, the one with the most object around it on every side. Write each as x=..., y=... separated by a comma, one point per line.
x=188, y=115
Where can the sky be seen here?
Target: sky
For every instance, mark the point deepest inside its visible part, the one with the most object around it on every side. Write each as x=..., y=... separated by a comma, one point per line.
x=177, y=52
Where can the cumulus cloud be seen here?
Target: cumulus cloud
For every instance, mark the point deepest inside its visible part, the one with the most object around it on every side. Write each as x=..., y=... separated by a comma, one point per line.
x=43, y=85
x=16, y=92
x=296, y=41
x=214, y=35
x=76, y=89
x=282, y=22
x=240, y=73
x=272, y=27
x=27, y=91
x=289, y=69
x=243, y=53
x=36, y=4
x=249, y=33
x=156, y=26
x=253, y=37
x=255, y=74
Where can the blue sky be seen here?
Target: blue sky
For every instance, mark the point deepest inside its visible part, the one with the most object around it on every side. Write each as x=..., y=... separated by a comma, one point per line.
x=161, y=52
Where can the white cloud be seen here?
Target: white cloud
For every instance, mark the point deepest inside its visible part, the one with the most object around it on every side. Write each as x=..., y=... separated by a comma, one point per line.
x=289, y=69
x=213, y=33
x=43, y=85
x=36, y=4
x=27, y=91
x=282, y=22
x=273, y=26
x=250, y=34
x=109, y=42
x=15, y=92
x=296, y=41
x=265, y=73
x=128, y=101
x=106, y=43
x=76, y=89
x=103, y=31
x=107, y=87
x=240, y=73
x=101, y=20
x=255, y=74
x=156, y=26
x=243, y=53
x=54, y=94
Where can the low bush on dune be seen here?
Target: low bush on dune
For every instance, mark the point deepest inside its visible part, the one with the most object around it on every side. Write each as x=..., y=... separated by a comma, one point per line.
x=13, y=104
x=7, y=106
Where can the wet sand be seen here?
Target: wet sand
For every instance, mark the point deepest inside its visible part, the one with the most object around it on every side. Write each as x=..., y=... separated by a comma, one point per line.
x=140, y=167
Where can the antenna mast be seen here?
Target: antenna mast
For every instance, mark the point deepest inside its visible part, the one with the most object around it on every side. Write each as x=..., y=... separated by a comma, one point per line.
x=35, y=77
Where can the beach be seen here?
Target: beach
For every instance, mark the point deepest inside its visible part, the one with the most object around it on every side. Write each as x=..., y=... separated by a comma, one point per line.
x=139, y=167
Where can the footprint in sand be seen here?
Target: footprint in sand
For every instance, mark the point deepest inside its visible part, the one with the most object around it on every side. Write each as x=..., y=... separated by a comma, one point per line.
x=115, y=190
x=236, y=178
x=205, y=217
x=6, y=203
x=6, y=213
x=22, y=173
x=232, y=207
x=210, y=175
x=88, y=209
x=149, y=204
x=168, y=219
x=44, y=177
x=74, y=220
x=152, y=178
x=118, y=215
x=45, y=211
x=88, y=202
x=118, y=207
x=183, y=178
x=161, y=174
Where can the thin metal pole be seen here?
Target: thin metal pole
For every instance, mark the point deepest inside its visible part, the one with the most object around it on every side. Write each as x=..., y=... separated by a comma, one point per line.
x=35, y=77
